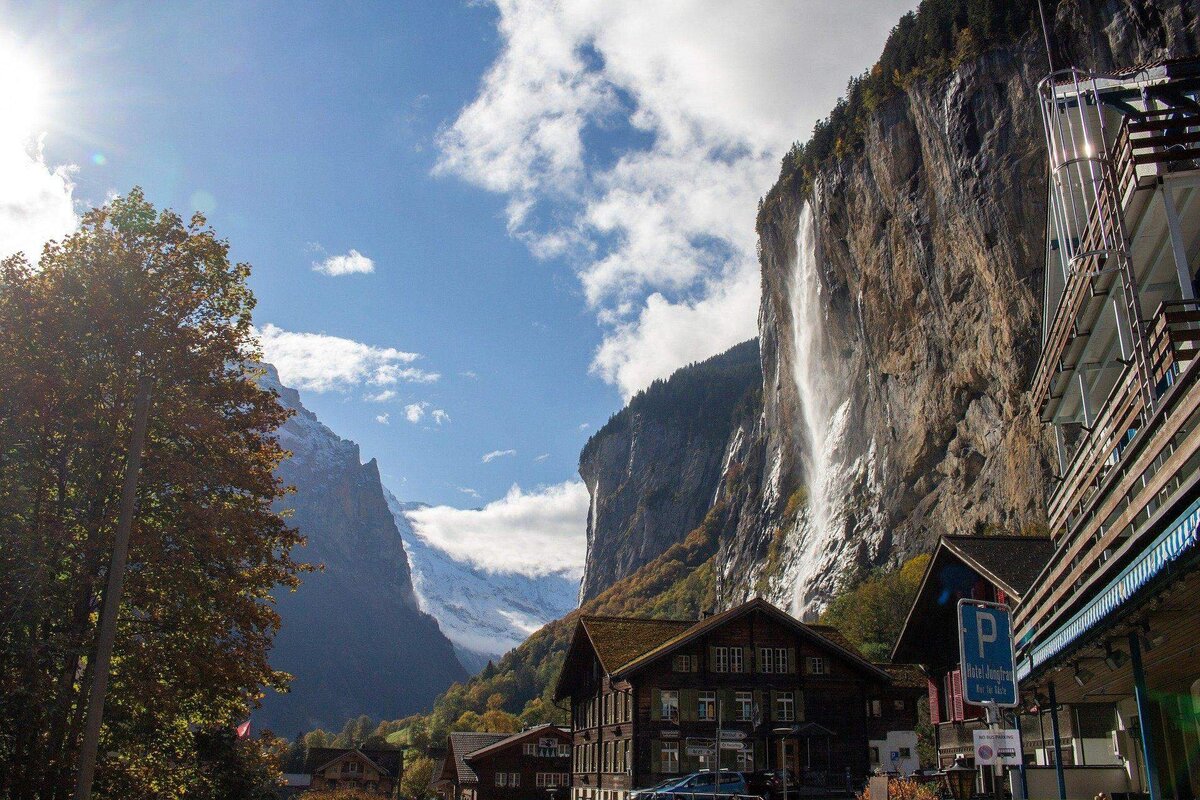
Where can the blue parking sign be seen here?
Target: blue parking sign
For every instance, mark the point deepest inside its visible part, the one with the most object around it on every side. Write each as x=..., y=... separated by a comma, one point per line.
x=985, y=645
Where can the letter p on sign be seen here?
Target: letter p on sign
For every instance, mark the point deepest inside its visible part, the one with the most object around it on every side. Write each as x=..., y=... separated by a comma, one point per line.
x=984, y=619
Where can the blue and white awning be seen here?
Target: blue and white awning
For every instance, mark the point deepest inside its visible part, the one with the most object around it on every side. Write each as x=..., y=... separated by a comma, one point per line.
x=1179, y=537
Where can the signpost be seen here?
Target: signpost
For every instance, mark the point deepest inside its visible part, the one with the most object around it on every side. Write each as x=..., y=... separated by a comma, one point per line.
x=989, y=679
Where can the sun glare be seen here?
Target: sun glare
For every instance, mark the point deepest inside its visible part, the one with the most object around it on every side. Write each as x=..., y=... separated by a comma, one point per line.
x=24, y=100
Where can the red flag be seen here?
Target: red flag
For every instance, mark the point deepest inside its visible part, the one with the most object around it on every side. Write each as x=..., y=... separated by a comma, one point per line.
x=243, y=730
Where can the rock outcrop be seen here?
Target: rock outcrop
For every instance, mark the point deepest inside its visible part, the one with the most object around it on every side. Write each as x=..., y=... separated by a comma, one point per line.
x=353, y=636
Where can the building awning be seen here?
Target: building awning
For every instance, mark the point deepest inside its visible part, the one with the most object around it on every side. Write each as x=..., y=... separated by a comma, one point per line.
x=1179, y=538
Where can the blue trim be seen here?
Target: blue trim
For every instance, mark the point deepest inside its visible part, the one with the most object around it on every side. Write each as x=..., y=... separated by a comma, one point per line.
x=1178, y=538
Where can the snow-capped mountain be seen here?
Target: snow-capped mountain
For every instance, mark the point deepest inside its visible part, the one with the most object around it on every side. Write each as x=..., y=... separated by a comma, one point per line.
x=485, y=614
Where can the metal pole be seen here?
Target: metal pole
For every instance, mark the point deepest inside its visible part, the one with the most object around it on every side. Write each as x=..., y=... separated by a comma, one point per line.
x=1144, y=715
x=1058, y=767
x=107, y=634
x=993, y=719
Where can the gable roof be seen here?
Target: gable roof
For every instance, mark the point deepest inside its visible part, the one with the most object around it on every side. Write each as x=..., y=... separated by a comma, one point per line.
x=619, y=640
x=387, y=762
x=1009, y=562
x=518, y=738
x=906, y=676
x=757, y=604
x=463, y=744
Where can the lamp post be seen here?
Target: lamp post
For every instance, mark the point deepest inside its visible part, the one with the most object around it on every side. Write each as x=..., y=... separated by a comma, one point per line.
x=960, y=779
x=786, y=764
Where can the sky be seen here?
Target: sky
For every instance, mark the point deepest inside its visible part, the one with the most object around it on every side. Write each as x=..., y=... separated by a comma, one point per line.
x=476, y=228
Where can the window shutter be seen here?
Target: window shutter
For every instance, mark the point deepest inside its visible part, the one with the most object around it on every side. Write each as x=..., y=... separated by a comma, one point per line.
x=799, y=706
x=712, y=659
x=773, y=711
x=935, y=713
x=791, y=657
x=956, y=688
x=656, y=704
x=687, y=705
x=728, y=705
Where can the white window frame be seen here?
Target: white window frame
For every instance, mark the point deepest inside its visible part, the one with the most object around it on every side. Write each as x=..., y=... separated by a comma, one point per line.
x=720, y=659
x=785, y=706
x=766, y=660
x=669, y=758
x=706, y=706
x=681, y=663
x=529, y=749
x=669, y=711
x=736, y=664
x=817, y=665
x=781, y=661
x=743, y=702
x=745, y=757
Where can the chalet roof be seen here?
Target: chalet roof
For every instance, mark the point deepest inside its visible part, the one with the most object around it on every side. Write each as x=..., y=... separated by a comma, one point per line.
x=463, y=744
x=386, y=761
x=757, y=604
x=619, y=640
x=905, y=676
x=517, y=738
x=1010, y=562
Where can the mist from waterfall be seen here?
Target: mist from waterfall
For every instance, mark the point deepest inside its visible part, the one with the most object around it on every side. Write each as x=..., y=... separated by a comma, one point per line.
x=824, y=410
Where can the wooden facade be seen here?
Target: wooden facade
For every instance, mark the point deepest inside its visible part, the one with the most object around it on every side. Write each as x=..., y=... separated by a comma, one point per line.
x=376, y=772
x=787, y=693
x=535, y=763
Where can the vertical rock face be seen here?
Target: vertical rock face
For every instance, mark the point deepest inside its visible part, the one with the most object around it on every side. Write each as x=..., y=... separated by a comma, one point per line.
x=914, y=289
x=654, y=469
x=353, y=635
x=929, y=248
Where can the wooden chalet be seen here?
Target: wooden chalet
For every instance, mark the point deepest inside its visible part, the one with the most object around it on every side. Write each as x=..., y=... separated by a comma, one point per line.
x=499, y=766
x=376, y=772
x=650, y=698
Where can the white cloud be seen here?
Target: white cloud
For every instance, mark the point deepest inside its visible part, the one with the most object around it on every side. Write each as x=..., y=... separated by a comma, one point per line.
x=37, y=201
x=382, y=419
x=415, y=411
x=542, y=457
x=535, y=534
x=320, y=363
x=492, y=456
x=352, y=263
x=440, y=416
x=583, y=426
x=380, y=397
x=662, y=232
x=468, y=490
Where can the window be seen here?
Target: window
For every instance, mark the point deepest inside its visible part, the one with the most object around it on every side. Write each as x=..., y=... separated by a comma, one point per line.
x=720, y=659
x=670, y=757
x=743, y=704
x=529, y=749
x=817, y=666
x=785, y=707
x=897, y=705
x=514, y=779
x=353, y=767
x=670, y=704
x=773, y=660
x=781, y=660
x=564, y=750
x=745, y=758
x=735, y=660
x=706, y=706
x=876, y=709
x=905, y=752
x=547, y=747
x=874, y=755
x=541, y=779
x=502, y=779
x=684, y=663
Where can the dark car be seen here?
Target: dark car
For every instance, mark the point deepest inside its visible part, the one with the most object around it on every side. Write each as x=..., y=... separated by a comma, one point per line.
x=697, y=783
x=769, y=784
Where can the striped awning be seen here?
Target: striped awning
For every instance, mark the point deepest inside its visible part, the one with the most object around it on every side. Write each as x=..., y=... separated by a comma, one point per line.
x=1179, y=537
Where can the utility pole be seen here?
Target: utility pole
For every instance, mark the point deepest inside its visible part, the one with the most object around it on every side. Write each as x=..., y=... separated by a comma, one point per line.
x=107, y=634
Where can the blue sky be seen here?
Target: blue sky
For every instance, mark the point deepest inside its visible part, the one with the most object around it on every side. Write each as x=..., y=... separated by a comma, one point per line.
x=556, y=200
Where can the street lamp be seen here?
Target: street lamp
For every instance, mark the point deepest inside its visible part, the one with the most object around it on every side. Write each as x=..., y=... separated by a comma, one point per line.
x=960, y=779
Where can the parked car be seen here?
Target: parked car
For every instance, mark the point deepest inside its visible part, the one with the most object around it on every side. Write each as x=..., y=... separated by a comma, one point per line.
x=697, y=783
x=769, y=784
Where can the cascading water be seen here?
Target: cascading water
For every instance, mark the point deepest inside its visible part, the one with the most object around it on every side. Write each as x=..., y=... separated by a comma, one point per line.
x=824, y=413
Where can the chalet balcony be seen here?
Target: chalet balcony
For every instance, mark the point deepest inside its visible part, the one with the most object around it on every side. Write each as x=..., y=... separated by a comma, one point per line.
x=1146, y=144
x=1127, y=471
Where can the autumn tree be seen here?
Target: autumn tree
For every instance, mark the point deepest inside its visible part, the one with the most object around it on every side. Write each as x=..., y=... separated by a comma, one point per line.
x=133, y=293
x=872, y=613
x=417, y=783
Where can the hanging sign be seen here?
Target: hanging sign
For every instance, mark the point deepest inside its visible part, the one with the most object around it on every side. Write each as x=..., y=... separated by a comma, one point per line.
x=985, y=646
x=997, y=747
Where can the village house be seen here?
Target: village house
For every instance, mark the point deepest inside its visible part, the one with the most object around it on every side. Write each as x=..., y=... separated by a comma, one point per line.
x=535, y=763
x=650, y=698
x=372, y=771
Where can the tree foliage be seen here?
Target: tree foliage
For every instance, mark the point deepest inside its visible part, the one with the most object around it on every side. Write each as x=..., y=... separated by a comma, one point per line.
x=134, y=292
x=872, y=613
x=417, y=783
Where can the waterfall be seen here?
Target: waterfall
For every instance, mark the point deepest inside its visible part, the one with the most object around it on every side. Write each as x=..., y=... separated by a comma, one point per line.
x=824, y=412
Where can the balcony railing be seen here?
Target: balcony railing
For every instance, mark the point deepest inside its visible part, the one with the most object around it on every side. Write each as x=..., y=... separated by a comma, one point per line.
x=1132, y=470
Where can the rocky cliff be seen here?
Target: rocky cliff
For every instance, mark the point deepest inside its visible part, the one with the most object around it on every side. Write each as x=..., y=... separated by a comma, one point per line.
x=654, y=469
x=353, y=635
x=901, y=275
